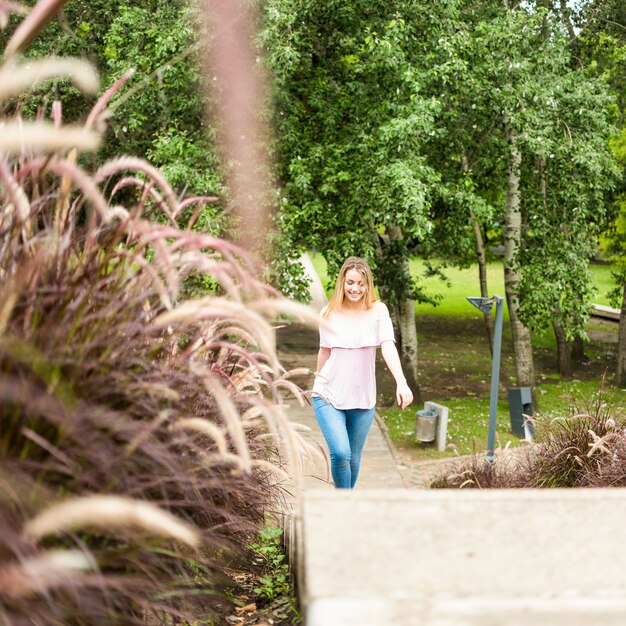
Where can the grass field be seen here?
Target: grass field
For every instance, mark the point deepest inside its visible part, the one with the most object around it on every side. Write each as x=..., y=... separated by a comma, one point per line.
x=455, y=364
x=464, y=282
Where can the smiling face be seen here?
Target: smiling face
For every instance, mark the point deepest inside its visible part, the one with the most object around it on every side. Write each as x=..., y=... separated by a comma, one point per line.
x=354, y=286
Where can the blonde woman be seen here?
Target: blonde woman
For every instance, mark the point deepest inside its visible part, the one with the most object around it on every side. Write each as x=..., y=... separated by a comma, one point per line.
x=354, y=323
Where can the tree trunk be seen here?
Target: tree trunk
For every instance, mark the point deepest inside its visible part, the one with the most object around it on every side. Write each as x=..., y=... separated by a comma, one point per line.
x=621, y=344
x=407, y=345
x=578, y=350
x=482, y=273
x=481, y=257
x=564, y=357
x=522, y=347
x=402, y=312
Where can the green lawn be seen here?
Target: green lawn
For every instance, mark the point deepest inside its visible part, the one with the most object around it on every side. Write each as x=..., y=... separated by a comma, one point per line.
x=469, y=416
x=464, y=282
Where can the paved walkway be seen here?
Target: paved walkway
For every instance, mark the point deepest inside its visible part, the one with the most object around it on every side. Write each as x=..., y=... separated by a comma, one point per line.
x=379, y=467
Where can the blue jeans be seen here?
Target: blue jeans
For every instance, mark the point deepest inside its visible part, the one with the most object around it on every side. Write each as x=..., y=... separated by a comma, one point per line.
x=345, y=431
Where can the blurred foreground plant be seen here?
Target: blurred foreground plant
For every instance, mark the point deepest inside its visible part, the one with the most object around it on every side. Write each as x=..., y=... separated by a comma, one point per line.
x=142, y=436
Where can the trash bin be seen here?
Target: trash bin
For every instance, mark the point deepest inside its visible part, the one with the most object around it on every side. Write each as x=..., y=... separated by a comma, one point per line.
x=520, y=404
x=426, y=425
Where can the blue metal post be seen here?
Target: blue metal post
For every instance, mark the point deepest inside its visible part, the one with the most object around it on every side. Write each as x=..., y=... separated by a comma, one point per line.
x=495, y=379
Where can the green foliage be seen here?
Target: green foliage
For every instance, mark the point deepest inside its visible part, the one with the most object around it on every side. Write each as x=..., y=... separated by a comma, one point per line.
x=353, y=114
x=188, y=162
x=275, y=581
x=160, y=113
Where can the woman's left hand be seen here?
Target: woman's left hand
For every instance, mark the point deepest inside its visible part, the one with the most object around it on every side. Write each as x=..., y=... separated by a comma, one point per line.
x=404, y=395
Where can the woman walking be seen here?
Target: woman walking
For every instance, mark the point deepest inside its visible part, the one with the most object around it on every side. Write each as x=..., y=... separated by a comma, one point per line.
x=354, y=323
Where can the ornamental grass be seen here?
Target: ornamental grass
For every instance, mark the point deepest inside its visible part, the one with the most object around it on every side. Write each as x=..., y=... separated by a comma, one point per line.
x=585, y=449
x=143, y=437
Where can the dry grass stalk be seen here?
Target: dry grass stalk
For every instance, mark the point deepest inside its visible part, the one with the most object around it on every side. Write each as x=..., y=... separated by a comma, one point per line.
x=17, y=78
x=230, y=56
x=204, y=427
x=107, y=513
x=20, y=137
x=43, y=573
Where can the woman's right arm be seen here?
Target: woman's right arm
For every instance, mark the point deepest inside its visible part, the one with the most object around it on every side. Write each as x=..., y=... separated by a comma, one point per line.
x=322, y=356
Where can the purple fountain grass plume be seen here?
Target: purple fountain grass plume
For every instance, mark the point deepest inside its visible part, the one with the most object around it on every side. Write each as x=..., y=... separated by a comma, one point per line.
x=18, y=199
x=107, y=513
x=16, y=138
x=196, y=200
x=29, y=28
x=98, y=111
x=204, y=427
x=7, y=7
x=193, y=311
x=231, y=57
x=18, y=78
x=227, y=409
x=122, y=164
x=147, y=187
x=78, y=176
x=44, y=572
x=250, y=360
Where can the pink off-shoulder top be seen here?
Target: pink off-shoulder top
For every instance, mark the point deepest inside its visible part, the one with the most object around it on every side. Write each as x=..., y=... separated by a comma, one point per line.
x=348, y=378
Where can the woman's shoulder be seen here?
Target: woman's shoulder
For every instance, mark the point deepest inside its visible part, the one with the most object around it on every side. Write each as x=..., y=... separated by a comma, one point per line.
x=380, y=308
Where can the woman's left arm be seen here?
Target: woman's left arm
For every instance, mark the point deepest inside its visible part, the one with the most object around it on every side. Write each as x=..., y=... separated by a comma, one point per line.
x=404, y=395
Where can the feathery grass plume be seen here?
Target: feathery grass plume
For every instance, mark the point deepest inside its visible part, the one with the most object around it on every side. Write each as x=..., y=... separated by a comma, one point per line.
x=46, y=571
x=29, y=28
x=227, y=410
x=18, y=201
x=7, y=7
x=205, y=427
x=17, y=78
x=16, y=138
x=137, y=165
x=99, y=110
x=110, y=513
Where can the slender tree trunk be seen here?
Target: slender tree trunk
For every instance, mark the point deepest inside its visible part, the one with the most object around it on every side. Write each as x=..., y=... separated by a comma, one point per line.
x=578, y=350
x=402, y=312
x=481, y=257
x=621, y=345
x=522, y=348
x=482, y=274
x=564, y=357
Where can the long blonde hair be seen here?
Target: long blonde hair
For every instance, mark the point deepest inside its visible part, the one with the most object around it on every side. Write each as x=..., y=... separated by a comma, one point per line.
x=360, y=265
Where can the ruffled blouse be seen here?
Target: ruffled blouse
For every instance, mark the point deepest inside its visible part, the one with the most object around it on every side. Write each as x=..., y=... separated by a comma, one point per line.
x=348, y=378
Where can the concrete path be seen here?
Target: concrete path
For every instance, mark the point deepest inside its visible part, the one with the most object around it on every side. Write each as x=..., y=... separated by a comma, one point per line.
x=379, y=467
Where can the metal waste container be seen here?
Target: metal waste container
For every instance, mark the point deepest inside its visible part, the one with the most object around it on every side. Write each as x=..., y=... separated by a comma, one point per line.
x=520, y=404
x=425, y=425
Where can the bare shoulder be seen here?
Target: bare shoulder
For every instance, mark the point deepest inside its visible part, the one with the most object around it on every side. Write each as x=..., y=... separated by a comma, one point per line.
x=380, y=307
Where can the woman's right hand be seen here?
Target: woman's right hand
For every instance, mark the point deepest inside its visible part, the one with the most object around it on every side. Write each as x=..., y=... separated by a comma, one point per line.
x=404, y=395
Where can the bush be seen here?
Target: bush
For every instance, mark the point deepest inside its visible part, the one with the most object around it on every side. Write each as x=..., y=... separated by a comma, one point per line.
x=586, y=449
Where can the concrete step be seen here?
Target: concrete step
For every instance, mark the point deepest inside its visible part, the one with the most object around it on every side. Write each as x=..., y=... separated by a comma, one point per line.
x=464, y=558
